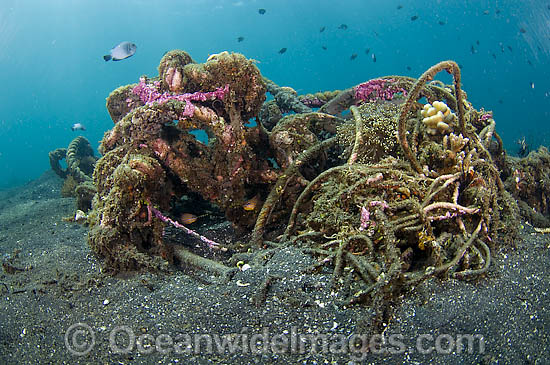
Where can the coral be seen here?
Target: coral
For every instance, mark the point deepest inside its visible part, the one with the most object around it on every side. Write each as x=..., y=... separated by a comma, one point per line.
x=437, y=117
x=375, y=89
x=371, y=135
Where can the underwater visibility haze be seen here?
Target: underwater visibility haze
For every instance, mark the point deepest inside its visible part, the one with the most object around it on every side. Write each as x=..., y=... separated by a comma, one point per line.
x=254, y=181
x=54, y=74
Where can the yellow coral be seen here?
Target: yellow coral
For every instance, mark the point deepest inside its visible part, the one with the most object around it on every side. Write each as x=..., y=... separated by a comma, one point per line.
x=437, y=117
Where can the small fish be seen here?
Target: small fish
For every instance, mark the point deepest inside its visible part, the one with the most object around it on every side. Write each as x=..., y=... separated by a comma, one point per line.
x=494, y=56
x=409, y=68
x=251, y=204
x=78, y=127
x=500, y=101
x=188, y=218
x=501, y=47
x=510, y=48
x=399, y=7
x=322, y=29
x=282, y=50
x=240, y=39
x=529, y=62
x=497, y=11
x=485, y=12
x=441, y=22
x=121, y=51
x=532, y=85
x=367, y=51
x=472, y=49
x=414, y=17
x=353, y=56
x=373, y=57
x=477, y=42
x=343, y=26
x=261, y=11
x=324, y=47
x=522, y=30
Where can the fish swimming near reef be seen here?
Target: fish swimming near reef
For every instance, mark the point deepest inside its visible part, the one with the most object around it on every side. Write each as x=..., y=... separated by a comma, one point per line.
x=353, y=56
x=282, y=50
x=251, y=204
x=343, y=26
x=78, y=127
x=261, y=11
x=240, y=39
x=373, y=57
x=322, y=29
x=121, y=51
x=188, y=218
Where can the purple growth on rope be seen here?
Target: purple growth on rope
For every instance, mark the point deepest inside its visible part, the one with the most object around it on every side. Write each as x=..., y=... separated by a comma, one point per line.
x=149, y=94
x=486, y=116
x=377, y=89
x=165, y=219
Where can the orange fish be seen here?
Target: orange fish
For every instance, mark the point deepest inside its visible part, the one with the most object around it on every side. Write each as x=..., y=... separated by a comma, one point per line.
x=188, y=218
x=251, y=204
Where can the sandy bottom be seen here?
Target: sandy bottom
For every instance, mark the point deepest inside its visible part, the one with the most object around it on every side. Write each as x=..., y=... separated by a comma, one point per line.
x=57, y=306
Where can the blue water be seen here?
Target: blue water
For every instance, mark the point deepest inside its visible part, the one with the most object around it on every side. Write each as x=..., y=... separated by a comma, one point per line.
x=52, y=73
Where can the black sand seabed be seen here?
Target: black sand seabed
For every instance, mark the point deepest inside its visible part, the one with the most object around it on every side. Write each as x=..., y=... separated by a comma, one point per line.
x=61, y=287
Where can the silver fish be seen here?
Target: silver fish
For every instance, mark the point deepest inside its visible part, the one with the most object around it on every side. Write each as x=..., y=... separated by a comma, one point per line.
x=78, y=127
x=122, y=51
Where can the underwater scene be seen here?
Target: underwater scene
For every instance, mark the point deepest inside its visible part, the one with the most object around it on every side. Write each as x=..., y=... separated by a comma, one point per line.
x=274, y=182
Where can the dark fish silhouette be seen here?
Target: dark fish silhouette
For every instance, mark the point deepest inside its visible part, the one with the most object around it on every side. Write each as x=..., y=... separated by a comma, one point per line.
x=261, y=11
x=510, y=48
x=373, y=57
x=399, y=7
x=353, y=56
x=282, y=50
x=367, y=51
x=240, y=39
x=324, y=47
x=409, y=68
x=441, y=22
x=477, y=42
x=522, y=30
x=497, y=11
x=532, y=84
x=472, y=49
x=343, y=26
x=414, y=17
x=494, y=56
x=529, y=62
x=322, y=29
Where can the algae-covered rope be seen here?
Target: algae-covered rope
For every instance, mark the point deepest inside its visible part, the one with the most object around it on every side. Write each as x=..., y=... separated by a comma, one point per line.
x=413, y=94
